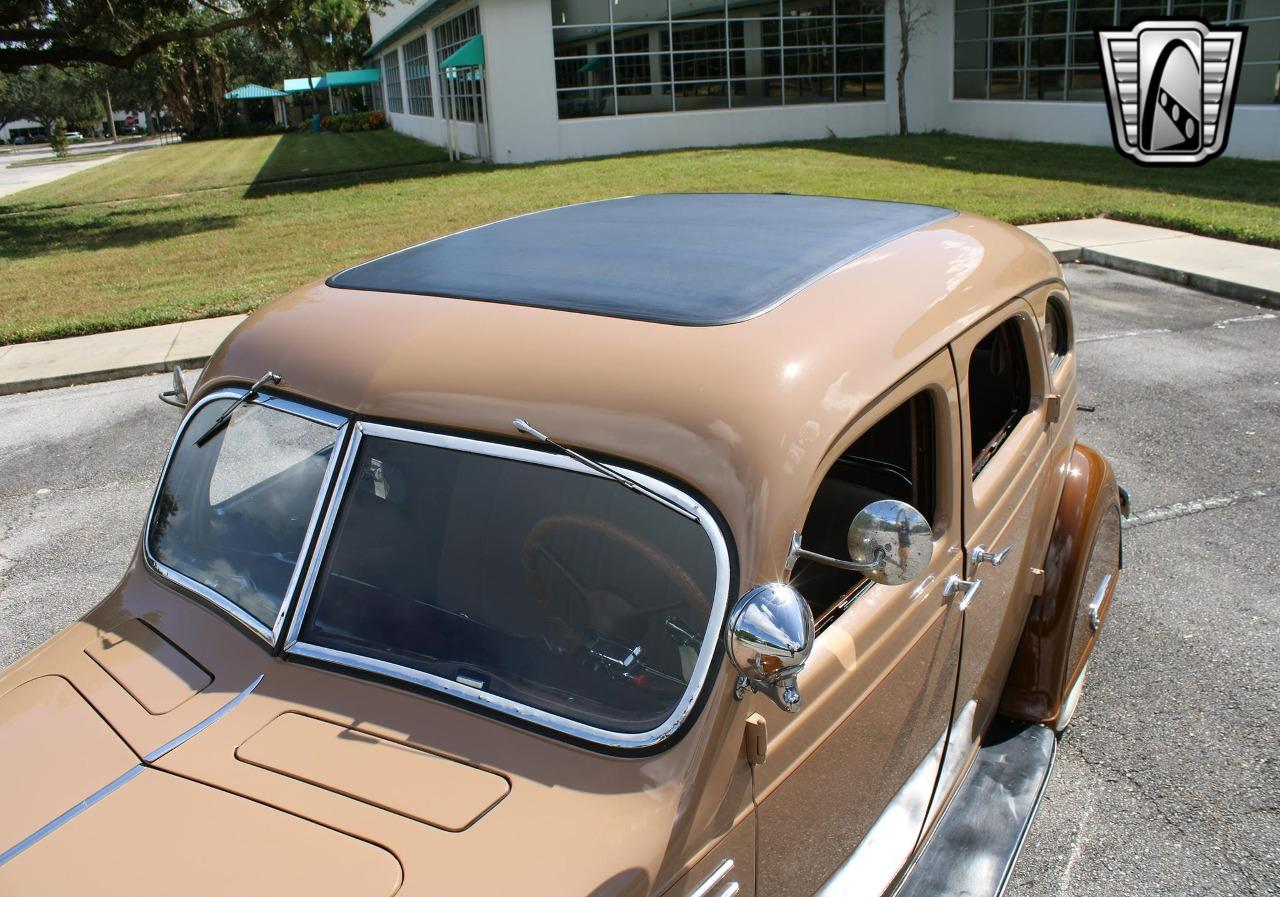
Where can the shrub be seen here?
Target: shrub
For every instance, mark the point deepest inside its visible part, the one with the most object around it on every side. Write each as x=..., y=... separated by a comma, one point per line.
x=355, y=121
x=58, y=137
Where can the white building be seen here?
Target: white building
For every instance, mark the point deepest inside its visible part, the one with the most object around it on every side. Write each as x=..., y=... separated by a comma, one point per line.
x=573, y=78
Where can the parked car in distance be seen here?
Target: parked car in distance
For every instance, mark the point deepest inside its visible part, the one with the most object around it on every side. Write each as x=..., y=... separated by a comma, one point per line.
x=75, y=136
x=668, y=545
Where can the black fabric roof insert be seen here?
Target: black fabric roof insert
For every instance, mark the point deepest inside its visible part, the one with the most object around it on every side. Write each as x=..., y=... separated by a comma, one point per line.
x=692, y=259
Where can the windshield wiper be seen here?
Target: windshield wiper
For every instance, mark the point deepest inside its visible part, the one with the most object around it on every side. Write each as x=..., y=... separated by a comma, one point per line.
x=609, y=472
x=268, y=377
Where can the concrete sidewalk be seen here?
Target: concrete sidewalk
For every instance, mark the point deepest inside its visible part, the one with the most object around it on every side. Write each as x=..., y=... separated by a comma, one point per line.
x=110, y=356
x=1233, y=270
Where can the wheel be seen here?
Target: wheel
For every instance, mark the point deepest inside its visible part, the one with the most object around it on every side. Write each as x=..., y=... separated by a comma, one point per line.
x=1071, y=702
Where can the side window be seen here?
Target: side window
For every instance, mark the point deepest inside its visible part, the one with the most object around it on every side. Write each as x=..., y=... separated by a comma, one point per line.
x=896, y=458
x=1057, y=332
x=999, y=390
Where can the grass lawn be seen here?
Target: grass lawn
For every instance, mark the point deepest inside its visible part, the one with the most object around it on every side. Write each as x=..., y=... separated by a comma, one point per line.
x=76, y=261
x=182, y=168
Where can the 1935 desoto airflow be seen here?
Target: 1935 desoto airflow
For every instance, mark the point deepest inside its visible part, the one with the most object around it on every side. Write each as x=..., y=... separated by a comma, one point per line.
x=668, y=545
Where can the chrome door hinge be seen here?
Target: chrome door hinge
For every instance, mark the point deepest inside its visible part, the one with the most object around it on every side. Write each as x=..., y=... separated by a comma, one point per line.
x=1053, y=408
x=757, y=739
x=1037, y=582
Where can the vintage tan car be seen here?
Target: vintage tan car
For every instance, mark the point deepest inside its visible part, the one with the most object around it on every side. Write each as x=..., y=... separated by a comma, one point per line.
x=690, y=545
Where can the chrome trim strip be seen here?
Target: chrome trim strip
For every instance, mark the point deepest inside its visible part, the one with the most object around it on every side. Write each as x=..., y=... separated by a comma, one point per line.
x=714, y=879
x=55, y=824
x=203, y=724
x=288, y=406
x=684, y=707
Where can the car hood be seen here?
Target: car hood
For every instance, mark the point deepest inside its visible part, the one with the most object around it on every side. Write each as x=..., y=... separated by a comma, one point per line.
x=159, y=733
x=80, y=801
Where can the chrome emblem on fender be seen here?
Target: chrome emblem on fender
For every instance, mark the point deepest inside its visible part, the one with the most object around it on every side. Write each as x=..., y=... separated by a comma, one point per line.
x=1170, y=89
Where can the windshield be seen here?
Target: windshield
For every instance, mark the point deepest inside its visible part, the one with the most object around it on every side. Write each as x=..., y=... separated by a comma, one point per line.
x=515, y=577
x=231, y=516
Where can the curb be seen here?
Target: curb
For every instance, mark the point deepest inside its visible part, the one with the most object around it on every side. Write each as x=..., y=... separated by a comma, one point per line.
x=14, y=387
x=1215, y=286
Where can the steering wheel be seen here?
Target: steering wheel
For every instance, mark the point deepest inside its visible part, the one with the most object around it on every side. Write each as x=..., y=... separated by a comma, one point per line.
x=535, y=546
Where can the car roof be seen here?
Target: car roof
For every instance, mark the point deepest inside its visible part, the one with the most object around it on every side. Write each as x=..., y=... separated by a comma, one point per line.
x=744, y=414
x=691, y=259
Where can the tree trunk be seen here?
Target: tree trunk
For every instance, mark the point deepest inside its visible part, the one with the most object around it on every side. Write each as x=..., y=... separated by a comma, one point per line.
x=904, y=41
x=111, y=118
x=308, y=99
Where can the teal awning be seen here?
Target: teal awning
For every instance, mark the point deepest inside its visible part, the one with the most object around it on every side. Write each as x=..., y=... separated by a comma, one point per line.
x=353, y=78
x=595, y=65
x=302, y=85
x=253, y=92
x=470, y=55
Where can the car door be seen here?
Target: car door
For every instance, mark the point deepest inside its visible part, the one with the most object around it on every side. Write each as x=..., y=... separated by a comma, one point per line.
x=1007, y=420
x=858, y=763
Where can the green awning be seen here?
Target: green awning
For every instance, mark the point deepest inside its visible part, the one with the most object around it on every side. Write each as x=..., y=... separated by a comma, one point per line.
x=470, y=55
x=302, y=85
x=353, y=78
x=595, y=65
x=253, y=92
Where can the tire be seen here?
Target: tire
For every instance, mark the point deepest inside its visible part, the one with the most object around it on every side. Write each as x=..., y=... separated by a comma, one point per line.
x=1071, y=702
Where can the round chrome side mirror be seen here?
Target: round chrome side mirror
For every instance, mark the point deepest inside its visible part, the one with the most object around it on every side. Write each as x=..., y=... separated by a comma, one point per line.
x=893, y=540
x=769, y=637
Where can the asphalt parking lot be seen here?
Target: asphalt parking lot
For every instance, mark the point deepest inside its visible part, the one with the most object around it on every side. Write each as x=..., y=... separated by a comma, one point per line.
x=1169, y=780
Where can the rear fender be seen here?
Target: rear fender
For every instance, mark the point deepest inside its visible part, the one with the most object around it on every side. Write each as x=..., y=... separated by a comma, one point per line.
x=1081, y=568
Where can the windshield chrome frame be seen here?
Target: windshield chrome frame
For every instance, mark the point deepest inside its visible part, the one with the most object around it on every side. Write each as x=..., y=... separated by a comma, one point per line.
x=338, y=423
x=543, y=718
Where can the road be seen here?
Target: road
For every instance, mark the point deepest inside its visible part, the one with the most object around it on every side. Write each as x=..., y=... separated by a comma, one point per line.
x=1167, y=782
x=23, y=177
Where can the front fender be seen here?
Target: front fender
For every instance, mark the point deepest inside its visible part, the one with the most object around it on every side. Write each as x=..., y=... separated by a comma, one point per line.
x=1081, y=568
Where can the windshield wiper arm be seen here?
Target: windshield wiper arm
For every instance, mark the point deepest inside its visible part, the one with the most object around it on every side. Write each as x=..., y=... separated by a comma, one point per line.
x=609, y=472
x=268, y=377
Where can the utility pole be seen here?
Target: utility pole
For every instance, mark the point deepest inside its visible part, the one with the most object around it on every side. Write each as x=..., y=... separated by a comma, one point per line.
x=111, y=117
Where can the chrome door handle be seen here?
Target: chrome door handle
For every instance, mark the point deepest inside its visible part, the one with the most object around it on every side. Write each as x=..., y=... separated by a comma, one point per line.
x=981, y=555
x=965, y=588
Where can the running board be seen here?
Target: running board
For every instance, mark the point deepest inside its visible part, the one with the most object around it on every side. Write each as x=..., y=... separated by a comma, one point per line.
x=976, y=842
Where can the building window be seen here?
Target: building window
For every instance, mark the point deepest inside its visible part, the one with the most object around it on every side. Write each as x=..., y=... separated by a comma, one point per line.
x=391, y=74
x=616, y=57
x=1046, y=49
x=373, y=93
x=417, y=73
x=460, y=89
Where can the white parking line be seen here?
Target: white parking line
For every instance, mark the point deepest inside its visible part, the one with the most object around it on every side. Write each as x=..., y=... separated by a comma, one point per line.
x=1217, y=325
x=1123, y=334
x=1247, y=319
x=1199, y=505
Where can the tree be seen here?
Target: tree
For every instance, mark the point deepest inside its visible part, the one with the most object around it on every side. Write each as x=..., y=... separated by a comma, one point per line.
x=913, y=19
x=57, y=132
x=44, y=94
x=15, y=97
x=118, y=33
x=121, y=32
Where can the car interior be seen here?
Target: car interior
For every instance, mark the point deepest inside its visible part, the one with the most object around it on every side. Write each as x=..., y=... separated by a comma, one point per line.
x=548, y=587
x=999, y=390
x=894, y=459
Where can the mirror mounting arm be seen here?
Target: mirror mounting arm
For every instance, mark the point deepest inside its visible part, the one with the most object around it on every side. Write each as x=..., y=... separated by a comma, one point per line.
x=855, y=566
